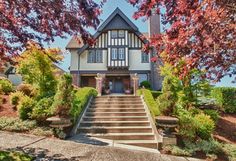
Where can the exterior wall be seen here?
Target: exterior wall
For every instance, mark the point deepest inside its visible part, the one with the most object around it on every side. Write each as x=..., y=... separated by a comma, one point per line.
x=84, y=65
x=74, y=60
x=16, y=79
x=135, y=58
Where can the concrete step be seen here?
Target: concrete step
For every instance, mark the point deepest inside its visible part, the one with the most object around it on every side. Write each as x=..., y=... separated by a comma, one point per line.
x=116, y=110
x=115, y=114
x=117, y=102
x=114, y=123
x=115, y=118
x=119, y=97
x=143, y=143
x=116, y=129
x=124, y=136
x=117, y=106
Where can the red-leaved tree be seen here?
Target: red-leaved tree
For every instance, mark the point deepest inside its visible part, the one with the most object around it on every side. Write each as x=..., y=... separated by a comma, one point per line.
x=42, y=21
x=198, y=34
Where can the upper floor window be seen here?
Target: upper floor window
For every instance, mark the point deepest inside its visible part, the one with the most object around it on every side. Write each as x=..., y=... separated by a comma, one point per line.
x=121, y=53
x=114, y=34
x=114, y=53
x=145, y=57
x=121, y=34
x=95, y=56
x=117, y=34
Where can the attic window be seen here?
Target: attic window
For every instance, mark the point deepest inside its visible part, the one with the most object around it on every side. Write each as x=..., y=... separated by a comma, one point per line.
x=121, y=34
x=114, y=34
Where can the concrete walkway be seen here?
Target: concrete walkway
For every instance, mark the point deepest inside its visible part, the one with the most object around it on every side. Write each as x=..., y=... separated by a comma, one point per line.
x=55, y=149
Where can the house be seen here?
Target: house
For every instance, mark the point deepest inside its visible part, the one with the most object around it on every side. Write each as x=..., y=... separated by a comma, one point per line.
x=117, y=55
x=9, y=72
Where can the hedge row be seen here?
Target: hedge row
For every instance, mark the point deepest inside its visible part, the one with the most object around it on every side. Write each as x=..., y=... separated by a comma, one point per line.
x=150, y=101
x=80, y=100
x=225, y=97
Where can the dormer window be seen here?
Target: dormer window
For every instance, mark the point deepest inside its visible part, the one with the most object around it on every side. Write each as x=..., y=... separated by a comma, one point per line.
x=117, y=34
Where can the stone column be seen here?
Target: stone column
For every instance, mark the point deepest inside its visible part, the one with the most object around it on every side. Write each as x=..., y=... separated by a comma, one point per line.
x=75, y=79
x=99, y=83
x=135, y=80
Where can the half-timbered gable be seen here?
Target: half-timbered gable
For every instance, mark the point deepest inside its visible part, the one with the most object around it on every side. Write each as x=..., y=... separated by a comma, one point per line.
x=117, y=53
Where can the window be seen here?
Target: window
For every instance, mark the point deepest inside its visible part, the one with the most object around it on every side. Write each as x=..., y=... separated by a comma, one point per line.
x=145, y=57
x=95, y=56
x=121, y=33
x=114, y=34
x=114, y=53
x=121, y=53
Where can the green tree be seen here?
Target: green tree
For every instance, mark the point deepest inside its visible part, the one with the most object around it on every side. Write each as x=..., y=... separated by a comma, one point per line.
x=63, y=98
x=36, y=67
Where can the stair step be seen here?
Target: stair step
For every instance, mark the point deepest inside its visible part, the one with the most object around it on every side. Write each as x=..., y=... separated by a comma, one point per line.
x=143, y=143
x=117, y=106
x=115, y=118
x=124, y=136
x=115, y=113
x=112, y=97
x=117, y=102
x=116, y=129
x=116, y=110
x=114, y=123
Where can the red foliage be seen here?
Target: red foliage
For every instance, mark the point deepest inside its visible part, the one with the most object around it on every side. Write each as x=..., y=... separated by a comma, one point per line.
x=21, y=21
x=200, y=33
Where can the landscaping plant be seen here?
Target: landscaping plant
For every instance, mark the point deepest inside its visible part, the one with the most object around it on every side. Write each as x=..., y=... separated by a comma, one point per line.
x=145, y=84
x=15, y=97
x=5, y=85
x=36, y=67
x=25, y=107
x=63, y=97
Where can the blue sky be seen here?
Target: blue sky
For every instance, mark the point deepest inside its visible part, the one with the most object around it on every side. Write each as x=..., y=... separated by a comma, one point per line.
x=128, y=9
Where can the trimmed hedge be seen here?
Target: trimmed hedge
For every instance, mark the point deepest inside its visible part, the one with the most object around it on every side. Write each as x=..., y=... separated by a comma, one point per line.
x=80, y=99
x=225, y=98
x=156, y=94
x=150, y=101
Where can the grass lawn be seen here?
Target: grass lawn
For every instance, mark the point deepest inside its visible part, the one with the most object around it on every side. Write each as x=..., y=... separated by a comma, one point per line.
x=14, y=156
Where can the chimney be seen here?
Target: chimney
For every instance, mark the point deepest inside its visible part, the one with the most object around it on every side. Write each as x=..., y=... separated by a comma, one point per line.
x=154, y=25
x=155, y=77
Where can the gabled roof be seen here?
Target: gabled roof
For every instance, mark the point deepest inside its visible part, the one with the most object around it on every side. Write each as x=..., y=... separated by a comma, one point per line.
x=122, y=21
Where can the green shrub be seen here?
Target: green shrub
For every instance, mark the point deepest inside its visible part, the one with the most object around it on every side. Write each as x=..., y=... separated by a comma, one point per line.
x=42, y=109
x=187, y=124
x=156, y=94
x=175, y=150
x=27, y=89
x=205, y=126
x=15, y=97
x=80, y=99
x=195, y=111
x=25, y=107
x=213, y=114
x=42, y=131
x=225, y=98
x=15, y=124
x=151, y=103
x=14, y=156
x=145, y=84
x=230, y=151
x=63, y=98
x=5, y=85
x=207, y=146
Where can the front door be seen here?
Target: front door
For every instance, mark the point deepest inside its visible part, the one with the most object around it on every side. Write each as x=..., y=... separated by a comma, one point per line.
x=118, y=86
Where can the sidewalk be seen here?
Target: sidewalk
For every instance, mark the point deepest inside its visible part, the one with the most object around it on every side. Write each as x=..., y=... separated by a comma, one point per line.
x=55, y=149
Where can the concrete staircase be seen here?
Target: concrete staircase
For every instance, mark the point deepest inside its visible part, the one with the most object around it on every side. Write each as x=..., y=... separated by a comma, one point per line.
x=123, y=119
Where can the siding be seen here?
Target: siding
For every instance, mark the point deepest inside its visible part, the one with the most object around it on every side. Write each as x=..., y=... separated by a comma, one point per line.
x=74, y=60
x=84, y=65
x=135, y=61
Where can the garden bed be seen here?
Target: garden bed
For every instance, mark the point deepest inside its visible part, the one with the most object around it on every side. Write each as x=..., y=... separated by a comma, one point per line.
x=226, y=128
x=6, y=109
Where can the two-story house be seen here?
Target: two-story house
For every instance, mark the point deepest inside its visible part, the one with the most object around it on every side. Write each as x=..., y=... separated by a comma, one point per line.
x=117, y=55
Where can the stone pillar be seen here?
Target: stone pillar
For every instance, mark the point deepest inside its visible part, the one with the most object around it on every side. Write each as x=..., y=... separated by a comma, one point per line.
x=135, y=80
x=75, y=79
x=99, y=83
